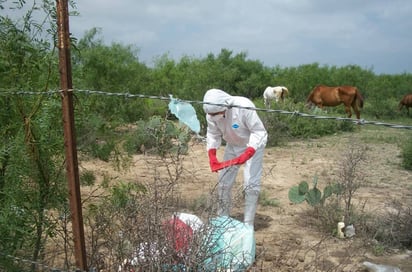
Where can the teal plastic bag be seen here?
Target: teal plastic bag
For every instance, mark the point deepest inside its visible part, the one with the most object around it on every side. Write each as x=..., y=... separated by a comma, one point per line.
x=185, y=113
x=230, y=244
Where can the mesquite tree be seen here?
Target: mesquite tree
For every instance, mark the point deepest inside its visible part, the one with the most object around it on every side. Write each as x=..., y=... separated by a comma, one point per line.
x=32, y=180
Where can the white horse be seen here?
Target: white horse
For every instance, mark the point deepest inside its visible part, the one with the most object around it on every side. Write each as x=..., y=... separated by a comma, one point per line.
x=274, y=93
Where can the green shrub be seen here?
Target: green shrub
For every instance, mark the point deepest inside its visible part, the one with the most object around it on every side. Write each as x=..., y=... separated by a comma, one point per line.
x=123, y=194
x=277, y=128
x=266, y=200
x=282, y=127
x=406, y=154
x=158, y=136
x=87, y=178
x=102, y=150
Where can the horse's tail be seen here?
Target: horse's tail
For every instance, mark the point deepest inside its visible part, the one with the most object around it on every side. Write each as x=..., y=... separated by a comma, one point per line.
x=284, y=93
x=359, y=98
x=309, y=99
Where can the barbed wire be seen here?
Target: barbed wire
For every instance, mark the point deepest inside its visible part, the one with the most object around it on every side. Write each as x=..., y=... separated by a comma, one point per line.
x=28, y=93
x=293, y=113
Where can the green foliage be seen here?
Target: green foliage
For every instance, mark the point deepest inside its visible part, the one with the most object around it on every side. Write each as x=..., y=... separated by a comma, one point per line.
x=102, y=150
x=97, y=66
x=313, y=196
x=87, y=178
x=96, y=137
x=295, y=195
x=26, y=62
x=281, y=128
x=378, y=249
x=32, y=177
x=314, y=128
x=406, y=153
x=122, y=194
x=158, y=136
x=266, y=200
x=277, y=128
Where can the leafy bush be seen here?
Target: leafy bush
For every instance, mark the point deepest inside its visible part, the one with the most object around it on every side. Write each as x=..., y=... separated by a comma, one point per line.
x=102, y=150
x=277, y=128
x=282, y=127
x=158, y=136
x=87, y=178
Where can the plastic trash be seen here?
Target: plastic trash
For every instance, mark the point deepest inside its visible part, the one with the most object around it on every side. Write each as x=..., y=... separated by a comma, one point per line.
x=185, y=113
x=178, y=234
x=349, y=231
x=230, y=244
x=340, y=227
x=371, y=267
x=143, y=253
x=191, y=220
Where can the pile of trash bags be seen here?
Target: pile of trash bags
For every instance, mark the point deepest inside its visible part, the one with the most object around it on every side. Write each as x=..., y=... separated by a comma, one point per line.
x=225, y=244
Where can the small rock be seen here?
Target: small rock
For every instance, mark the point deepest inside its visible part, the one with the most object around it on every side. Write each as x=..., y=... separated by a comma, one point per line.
x=301, y=258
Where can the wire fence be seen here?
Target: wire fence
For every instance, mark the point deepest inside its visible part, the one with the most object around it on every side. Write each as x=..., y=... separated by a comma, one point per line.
x=293, y=113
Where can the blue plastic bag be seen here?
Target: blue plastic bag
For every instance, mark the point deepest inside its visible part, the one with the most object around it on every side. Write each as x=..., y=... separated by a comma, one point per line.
x=230, y=244
x=185, y=113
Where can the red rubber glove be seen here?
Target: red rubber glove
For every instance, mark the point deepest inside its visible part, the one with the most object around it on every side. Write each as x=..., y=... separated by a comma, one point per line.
x=249, y=152
x=228, y=163
x=215, y=165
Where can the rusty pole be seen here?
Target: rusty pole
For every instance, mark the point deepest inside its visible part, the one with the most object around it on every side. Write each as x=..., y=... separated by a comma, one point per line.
x=69, y=133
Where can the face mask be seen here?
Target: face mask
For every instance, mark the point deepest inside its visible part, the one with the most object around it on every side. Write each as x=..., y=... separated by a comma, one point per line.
x=217, y=117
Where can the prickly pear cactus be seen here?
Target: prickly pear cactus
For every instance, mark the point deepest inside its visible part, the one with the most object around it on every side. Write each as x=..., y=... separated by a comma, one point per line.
x=327, y=191
x=297, y=193
x=303, y=187
x=313, y=196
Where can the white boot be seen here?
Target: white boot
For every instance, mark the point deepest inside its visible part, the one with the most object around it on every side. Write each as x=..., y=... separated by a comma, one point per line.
x=251, y=202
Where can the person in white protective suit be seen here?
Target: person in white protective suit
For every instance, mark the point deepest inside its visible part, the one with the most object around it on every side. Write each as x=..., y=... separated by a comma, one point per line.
x=245, y=137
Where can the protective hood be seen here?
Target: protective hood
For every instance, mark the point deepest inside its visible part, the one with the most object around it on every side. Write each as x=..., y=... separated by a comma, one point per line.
x=216, y=96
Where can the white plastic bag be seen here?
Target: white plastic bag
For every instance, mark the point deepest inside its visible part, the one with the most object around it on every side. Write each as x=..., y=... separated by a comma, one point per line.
x=185, y=113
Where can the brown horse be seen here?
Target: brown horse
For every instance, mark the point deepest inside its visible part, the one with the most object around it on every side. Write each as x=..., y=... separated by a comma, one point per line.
x=406, y=101
x=327, y=96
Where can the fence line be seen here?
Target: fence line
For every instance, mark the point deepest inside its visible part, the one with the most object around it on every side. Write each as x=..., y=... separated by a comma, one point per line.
x=293, y=113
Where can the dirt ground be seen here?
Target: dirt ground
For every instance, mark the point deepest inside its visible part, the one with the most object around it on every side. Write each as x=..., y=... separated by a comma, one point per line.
x=285, y=238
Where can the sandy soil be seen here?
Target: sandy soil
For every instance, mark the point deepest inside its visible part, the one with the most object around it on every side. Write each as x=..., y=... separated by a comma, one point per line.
x=286, y=237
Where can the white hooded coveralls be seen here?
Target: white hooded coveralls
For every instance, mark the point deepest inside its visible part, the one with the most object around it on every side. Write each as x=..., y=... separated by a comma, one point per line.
x=240, y=128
